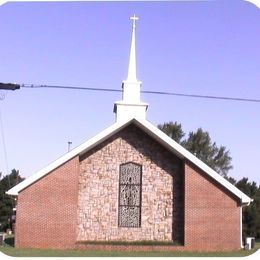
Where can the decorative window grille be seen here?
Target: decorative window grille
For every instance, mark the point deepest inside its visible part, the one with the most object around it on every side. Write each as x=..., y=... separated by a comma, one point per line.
x=130, y=191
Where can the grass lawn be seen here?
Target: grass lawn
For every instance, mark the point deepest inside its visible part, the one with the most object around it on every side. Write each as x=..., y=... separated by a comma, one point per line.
x=11, y=251
x=8, y=249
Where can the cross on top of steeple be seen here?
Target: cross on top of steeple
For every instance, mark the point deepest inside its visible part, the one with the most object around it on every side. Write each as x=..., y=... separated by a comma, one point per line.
x=134, y=18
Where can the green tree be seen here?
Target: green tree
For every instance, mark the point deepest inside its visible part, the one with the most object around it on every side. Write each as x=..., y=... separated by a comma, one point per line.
x=251, y=213
x=7, y=203
x=199, y=143
x=218, y=158
x=174, y=130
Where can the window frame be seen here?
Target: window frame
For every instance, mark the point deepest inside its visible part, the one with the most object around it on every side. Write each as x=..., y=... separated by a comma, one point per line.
x=130, y=206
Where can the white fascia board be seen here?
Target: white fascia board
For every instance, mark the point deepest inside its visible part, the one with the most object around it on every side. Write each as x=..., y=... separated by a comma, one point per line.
x=181, y=152
x=151, y=130
x=76, y=151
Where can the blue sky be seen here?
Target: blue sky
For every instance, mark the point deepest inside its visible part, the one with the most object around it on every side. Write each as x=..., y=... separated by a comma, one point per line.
x=207, y=48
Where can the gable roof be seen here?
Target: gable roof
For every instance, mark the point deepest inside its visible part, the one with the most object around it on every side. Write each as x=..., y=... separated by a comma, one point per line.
x=152, y=131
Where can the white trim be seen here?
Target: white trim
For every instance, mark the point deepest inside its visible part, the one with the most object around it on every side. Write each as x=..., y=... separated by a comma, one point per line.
x=241, y=228
x=174, y=147
x=151, y=130
x=68, y=156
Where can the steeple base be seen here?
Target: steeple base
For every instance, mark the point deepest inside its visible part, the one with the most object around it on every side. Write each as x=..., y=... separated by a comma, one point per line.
x=126, y=111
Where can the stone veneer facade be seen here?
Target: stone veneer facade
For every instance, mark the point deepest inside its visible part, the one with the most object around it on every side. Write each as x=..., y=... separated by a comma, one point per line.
x=162, y=190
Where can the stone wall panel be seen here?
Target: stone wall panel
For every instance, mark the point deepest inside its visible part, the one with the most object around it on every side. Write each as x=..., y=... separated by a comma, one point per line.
x=99, y=184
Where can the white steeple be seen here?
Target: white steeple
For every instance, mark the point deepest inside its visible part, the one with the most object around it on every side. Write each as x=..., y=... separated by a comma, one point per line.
x=131, y=105
x=132, y=61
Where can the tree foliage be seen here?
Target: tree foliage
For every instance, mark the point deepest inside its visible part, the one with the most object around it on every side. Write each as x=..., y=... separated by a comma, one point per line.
x=199, y=143
x=7, y=203
x=251, y=213
x=174, y=130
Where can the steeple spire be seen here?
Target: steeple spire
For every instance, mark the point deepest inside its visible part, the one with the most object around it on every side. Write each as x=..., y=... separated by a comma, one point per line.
x=131, y=105
x=132, y=61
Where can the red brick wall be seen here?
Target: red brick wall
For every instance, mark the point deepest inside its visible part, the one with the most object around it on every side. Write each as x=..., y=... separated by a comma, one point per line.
x=212, y=215
x=47, y=210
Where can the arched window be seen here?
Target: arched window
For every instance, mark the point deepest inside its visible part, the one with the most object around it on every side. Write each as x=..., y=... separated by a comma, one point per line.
x=130, y=194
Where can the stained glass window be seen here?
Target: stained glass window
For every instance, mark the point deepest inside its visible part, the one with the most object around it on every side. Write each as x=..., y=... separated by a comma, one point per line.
x=130, y=189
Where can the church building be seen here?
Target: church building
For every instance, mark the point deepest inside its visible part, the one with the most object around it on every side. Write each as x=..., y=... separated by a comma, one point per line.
x=129, y=183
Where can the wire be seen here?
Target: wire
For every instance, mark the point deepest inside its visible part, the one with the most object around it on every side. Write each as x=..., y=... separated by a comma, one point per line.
x=3, y=94
x=70, y=87
x=203, y=96
x=5, y=156
x=145, y=92
x=4, y=149
x=4, y=145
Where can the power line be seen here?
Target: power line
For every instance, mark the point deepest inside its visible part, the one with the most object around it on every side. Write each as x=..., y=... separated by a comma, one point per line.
x=146, y=92
x=203, y=96
x=4, y=149
x=70, y=87
x=4, y=145
x=5, y=155
x=17, y=86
